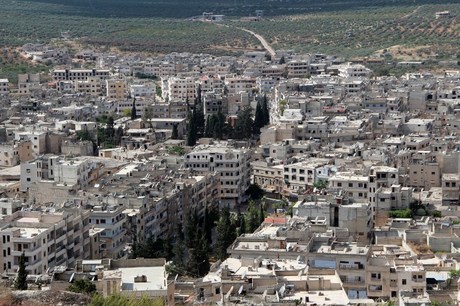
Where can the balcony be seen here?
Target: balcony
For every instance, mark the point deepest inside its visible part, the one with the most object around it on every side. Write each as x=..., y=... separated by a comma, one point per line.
x=353, y=282
x=351, y=266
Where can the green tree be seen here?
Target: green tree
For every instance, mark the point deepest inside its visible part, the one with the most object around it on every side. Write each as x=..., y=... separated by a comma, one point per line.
x=241, y=224
x=225, y=233
x=207, y=225
x=126, y=113
x=253, y=217
x=118, y=135
x=125, y=300
x=176, y=150
x=133, y=110
x=282, y=106
x=192, y=132
x=84, y=135
x=178, y=248
x=261, y=213
x=259, y=118
x=158, y=91
x=147, y=116
x=400, y=213
x=244, y=124
x=265, y=111
x=220, y=128
x=210, y=126
x=175, y=132
x=199, y=120
x=151, y=248
x=282, y=60
x=82, y=286
x=255, y=192
x=320, y=184
x=191, y=225
x=21, y=279
x=198, y=264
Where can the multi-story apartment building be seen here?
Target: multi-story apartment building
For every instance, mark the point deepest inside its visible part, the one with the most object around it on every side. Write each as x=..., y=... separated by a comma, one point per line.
x=146, y=90
x=301, y=176
x=381, y=177
x=424, y=170
x=116, y=89
x=386, y=199
x=37, y=138
x=112, y=219
x=354, y=186
x=313, y=128
x=211, y=83
x=232, y=165
x=349, y=259
x=172, y=109
x=79, y=74
x=199, y=192
x=141, y=105
x=268, y=176
x=213, y=103
x=28, y=82
x=9, y=155
x=75, y=172
x=236, y=85
x=353, y=71
x=91, y=86
x=47, y=239
x=298, y=68
x=390, y=271
x=4, y=86
x=450, y=188
x=180, y=89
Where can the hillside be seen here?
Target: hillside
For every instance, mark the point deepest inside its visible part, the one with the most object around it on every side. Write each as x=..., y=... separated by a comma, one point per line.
x=348, y=27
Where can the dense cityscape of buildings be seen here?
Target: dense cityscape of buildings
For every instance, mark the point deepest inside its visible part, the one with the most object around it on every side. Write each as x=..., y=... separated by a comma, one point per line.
x=361, y=175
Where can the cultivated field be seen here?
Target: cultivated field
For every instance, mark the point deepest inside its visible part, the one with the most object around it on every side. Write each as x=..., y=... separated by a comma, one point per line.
x=345, y=27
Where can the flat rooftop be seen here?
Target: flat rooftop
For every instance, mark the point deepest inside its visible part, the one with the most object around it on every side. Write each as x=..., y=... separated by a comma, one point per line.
x=156, y=278
x=27, y=232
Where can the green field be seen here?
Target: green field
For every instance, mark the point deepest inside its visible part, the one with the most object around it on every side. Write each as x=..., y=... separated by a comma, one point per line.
x=344, y=27
x=362, y=32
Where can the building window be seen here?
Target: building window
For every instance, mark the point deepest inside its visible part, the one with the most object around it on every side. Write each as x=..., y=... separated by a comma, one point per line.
x=404, y=282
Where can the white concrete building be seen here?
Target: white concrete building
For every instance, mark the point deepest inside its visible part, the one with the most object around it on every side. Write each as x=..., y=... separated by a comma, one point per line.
x=180, y=89
x=142, y=90
x=4, y=86
x=47, y=239
x=232, y=165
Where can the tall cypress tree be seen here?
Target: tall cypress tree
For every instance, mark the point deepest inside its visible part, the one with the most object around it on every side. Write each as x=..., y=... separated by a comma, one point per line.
x=191, y=225
x=207, y=226
x=219, y=128
x=265, y=111
x=133, y=110
x=178, y=248
x=175, y=132
x=225, y=233
x=199, y=120
x=192, y=130
x=259, y=118
x=244, y=124
x=21, y=279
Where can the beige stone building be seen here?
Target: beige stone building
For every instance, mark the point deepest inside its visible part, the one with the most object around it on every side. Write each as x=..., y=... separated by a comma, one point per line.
x=115, y=89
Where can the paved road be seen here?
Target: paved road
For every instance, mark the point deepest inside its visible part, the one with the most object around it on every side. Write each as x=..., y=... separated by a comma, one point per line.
x=262, y=41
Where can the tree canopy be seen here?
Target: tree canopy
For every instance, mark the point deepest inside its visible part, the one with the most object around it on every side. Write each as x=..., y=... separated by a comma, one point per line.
x=21, y=279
